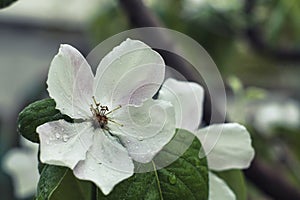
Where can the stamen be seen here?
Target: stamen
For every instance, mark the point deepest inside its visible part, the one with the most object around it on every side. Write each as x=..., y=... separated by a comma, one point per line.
x=115, y=122
x=97, y=104
x=99, y=113
x=114, y=109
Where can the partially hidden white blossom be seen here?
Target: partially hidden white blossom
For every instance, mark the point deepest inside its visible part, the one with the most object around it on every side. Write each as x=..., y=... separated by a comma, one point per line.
x=21, y=164
x=227, y=146
x=116, y=119
x=270, y=115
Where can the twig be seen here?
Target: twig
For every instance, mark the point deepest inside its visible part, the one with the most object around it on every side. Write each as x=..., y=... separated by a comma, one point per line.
x=271, y=182
x=254, y=35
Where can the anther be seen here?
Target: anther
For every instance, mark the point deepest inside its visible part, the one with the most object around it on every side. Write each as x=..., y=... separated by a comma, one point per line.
x=97, y=104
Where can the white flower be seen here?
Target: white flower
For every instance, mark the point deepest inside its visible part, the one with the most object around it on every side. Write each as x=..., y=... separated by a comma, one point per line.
x=118, y=121
x=230, y=150
x=21, y=164
x=275, y=114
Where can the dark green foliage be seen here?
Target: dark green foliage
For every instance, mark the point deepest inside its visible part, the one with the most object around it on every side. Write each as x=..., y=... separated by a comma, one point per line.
x=37, y=114
x=5, y=3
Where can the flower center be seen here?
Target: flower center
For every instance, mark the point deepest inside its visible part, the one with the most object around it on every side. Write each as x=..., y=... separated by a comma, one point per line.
x=101, y=112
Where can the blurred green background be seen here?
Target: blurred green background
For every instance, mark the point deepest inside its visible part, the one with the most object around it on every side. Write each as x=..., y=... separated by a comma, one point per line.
x=255, y=44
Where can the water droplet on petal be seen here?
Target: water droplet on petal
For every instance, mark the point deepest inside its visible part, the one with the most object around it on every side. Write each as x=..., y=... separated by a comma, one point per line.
x=48, y=142
x=172, y=179
x=51, y=138
x=140, y=138
x=57, y=135
x=65, y=138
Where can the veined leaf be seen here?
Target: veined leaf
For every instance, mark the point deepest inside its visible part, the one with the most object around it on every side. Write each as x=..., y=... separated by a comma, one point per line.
x=58, y=183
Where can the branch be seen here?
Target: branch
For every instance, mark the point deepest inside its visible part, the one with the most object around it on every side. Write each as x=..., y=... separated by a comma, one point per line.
x=254, y=35
x=270, y=181
x=138, y=14
x=262, y=175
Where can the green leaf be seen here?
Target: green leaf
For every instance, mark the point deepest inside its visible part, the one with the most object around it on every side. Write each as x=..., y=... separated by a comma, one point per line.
x=37, y=114
x=185, y=178
x=50, y=179
x=58, y=183
x=5, y=3
x=235, y=180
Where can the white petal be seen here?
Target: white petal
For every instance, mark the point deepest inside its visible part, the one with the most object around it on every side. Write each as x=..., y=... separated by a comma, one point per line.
x=22, y=165
x=107, y=163
x=63, y=143
x=218, y=189
x=146, y=129
x=130, y=73
x=227, y=146
x=187, y=99
x=70, y=82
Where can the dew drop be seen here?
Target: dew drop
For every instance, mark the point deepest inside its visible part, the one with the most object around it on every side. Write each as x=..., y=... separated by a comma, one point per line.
x=172, y=179
x=65, y=138
x=51, y=138
x=198, y=163
x=57, y=135
x=140, y=138
x=48, y=142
